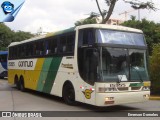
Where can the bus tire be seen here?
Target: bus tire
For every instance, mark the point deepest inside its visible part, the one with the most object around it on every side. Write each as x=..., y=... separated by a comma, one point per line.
x=17, y=83
x=69, y=94
x=22, y=87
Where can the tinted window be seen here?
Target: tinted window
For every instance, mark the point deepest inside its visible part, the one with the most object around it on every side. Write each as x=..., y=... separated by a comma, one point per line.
x=86, y=37
x=119, y=37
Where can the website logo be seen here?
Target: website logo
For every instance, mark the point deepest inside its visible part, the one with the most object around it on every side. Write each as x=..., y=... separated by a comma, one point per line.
x=9, y=9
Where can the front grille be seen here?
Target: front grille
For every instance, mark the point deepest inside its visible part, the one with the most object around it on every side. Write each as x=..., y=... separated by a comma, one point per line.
x=122, y=88
x=135, y=88
x=128, y=88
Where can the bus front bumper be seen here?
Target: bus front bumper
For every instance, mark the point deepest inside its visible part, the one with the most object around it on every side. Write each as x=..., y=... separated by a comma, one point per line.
x=108, y=99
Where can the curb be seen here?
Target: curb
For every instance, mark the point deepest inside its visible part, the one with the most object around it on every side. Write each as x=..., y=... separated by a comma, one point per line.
x=154, y=98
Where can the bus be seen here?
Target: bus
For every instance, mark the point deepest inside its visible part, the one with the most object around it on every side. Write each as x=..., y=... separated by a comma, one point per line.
x=3, y=64
x=96, y=64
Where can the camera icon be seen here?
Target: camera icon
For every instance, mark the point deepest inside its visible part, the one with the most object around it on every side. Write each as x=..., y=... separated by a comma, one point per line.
x=6, y=114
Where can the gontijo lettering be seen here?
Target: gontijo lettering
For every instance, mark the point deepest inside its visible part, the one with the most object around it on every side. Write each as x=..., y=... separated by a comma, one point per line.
x=25, y=63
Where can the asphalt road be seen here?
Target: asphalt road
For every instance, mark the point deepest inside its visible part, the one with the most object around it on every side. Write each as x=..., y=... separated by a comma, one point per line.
x=13, y=100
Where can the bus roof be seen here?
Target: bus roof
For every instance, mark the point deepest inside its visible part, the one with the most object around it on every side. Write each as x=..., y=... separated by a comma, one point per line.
x=110, y=27
x=3, y=52
x=101, y=26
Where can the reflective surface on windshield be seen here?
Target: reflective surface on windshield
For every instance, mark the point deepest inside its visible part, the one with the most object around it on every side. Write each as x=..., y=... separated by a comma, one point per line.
x=119, y=64
x=120, y=37
x=138, y=68
x=114, y=64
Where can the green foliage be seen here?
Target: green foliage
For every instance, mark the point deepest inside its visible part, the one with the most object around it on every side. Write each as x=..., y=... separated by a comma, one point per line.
x=151, y=30
x=155, y=69
x=20, y=35
x=86, y=21
x=7, y=36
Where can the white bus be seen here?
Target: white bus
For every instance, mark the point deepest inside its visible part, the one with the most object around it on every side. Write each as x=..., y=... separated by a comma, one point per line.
x=96, y=64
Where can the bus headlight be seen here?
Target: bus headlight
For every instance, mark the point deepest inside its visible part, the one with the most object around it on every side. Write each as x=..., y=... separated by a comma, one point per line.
x=109, y=100
x=146, y=88
x=106, y=89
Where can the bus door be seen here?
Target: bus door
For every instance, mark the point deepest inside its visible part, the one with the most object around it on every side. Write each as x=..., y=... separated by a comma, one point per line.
x=90, y=71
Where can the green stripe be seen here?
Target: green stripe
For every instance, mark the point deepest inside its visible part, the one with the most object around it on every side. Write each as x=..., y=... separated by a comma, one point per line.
x=44, y=73
x=136, y=84
x=52, y=74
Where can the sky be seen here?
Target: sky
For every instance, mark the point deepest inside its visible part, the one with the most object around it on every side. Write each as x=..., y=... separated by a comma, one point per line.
x=54, y=15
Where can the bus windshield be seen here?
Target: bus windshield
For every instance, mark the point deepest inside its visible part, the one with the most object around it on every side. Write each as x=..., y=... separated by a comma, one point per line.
x=112, y=56
x=120, y=37
x=123, y=65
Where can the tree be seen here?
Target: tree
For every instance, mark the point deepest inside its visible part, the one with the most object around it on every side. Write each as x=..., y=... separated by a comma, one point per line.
x=86, y=21
x=105, y=14
x=21, y=35
x=154, y=69
x=151, y=30
x=7, y=36
x=111, y=4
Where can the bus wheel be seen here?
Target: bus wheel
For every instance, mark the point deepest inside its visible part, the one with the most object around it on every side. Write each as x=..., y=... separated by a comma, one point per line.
x=17, y=83
x=69, y=94
x=22, y=88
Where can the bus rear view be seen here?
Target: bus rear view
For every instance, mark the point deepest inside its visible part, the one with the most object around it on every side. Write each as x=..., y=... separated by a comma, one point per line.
x=113, y=63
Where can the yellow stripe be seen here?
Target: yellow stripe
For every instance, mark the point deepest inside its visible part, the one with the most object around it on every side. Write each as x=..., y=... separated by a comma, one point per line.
x=37, y=71
x=32, y=76
x=147, y=84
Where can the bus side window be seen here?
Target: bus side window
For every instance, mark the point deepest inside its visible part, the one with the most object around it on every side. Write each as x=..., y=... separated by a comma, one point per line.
x=42, y=48
x=23, y=49
x=19, y=52
x=47, y=49
x=53, y=45
x=70, y=43
x=30, y=50
x=15, y=52
x=86, y=37
x=62, y=46
x=55, y=50
x=39, y=48
x=10, y=53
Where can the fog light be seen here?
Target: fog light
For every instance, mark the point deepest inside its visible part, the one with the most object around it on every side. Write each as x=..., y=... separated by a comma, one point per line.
x=109, y=100
x=146, y=96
